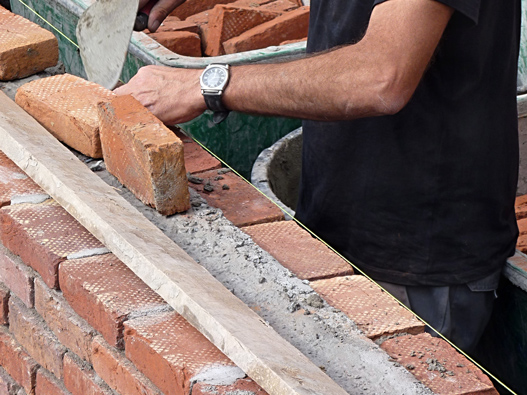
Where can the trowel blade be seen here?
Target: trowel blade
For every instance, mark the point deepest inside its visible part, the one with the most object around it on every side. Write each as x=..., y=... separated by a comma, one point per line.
x=103, y=33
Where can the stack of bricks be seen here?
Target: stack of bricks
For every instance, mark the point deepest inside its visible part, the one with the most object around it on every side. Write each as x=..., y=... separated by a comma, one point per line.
x=217, y=27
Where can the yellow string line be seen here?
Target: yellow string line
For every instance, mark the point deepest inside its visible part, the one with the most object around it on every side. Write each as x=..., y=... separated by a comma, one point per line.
x=359, y=270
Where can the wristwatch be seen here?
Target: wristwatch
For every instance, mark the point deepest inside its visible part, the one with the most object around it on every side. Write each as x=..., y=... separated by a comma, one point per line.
x=213, y=81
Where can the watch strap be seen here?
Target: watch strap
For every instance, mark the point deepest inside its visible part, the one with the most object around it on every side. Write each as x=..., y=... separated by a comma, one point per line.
x=214, y=103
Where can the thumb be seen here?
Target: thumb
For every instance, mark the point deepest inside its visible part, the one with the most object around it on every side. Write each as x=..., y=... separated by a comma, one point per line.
x=160, y=10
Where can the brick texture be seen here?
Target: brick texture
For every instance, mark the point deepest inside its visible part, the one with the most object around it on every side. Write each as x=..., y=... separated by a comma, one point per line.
x=437, y=365
x=196, y=158
x=181, y=42
x=192, y=7
x=118, y=372
x=31, y=332
x=240, y=202
x=8, y=386
x=174, y=24
x=241, y=386
x=298, y=251
x=169, y=351
x=26, y=47
x=281, y=5
x=80, y=379
x=291, y=25
x=43, y=235
x=17, y=362
x=47, y=384
x=71, y=330
x=4, y=304
x=66, y=106
x=521, y=207
x=17, y=277
x=375, y=313
x=104, y=292
x=14, y=183
x=144, y=155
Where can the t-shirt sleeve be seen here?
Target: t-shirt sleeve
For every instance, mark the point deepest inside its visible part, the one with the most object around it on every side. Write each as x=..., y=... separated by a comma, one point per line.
x=469, y=8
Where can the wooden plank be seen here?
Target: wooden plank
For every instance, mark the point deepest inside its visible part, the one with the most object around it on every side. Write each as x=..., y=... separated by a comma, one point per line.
x=192, y=291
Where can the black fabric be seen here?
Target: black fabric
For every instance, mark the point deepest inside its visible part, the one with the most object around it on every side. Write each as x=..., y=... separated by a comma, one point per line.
x=426, y=196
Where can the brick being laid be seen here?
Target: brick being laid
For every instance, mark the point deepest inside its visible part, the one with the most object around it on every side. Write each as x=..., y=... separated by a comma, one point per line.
x=26, y=47
x=376, y=313
x=144, y=155
x=66, y=106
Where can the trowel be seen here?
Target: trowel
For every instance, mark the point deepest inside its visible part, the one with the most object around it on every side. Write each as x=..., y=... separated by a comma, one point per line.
x=103, y=33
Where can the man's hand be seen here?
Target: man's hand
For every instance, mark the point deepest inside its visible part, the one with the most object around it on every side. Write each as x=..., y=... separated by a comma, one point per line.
x=171, y=94
x=160, y=10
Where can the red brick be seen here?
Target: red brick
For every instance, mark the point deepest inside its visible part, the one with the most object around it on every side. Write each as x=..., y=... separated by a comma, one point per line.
x=240, y=202
x=196, y=158
x=47, y=384
x=174, y=24
x=66, y=106
x=169, y=351
x=180, y=42
x=438, y=365
x=291, y=25
x=17, y=277
x=281, y=6
x=26, y=47
x=293, y=41
x=32, y=333
x=118, y=372
x=521, y=207
x=376, y=313
x=80, y=379
x=17, y=362
x=522, y=226
x=201, y=18
x=104, y=292
x=144, y=155
x=521, y=244
x=71, y=330
x=297, y=250
x=250, y=3
x=43, y=235
x=192, y=7
x=226, y=22
x=8, y=386
x=241, y=386
x=4, y=304
x=14, y=183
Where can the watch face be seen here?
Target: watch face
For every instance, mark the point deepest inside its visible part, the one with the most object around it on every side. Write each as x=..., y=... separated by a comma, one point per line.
x=214, y=77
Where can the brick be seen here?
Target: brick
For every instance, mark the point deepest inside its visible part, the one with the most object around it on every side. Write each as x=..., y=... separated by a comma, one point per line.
x=438, y=365
x=47, y=384
x=71, y=330
x=297, y=250
x=293, y=41
x=376, y=313
x=14, y=183
x=196, y=158
x=522, y=226
x=250, y=3
x=104, y=292
x=80, y=379
x=4, y=304
x=17, y=362
x=281, y=6
x=26, y=47
x=144, y=155
x=66, y=106
x=180, y=42
x=291, y=25
x=521, y=207
x=241, y=386
x=174, y=24
x=32, y=333
x=240, y=202
x=43, y=235
x=192, y=7
x=521, y=244
x=17, y=277
x=8, y=386
x=226, y=22
x=169, y=351
x=118, y=372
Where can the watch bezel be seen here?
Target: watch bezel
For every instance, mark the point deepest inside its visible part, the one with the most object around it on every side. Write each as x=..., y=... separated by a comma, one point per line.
x=218, y=90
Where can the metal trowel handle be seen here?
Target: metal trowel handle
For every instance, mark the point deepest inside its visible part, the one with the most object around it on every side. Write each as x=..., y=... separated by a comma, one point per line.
x=141, y=21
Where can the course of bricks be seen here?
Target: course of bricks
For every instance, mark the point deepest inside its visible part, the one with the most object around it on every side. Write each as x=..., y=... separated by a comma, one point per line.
x=75, y=320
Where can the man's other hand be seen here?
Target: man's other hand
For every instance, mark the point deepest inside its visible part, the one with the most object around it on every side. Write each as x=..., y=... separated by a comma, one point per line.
x=160, y=10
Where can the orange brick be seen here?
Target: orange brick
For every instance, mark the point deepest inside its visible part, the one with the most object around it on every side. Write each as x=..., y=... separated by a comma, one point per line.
x=66, y=106
x=47, y=384
x=104, y=292
x=375, y=313
x=174, y=24
x=169, y=351
x=144, y=155
x=118, y=372
x=26, y=47
x=8, y=386
x=196, y=158
x=192, y=7
x=522, y=226
x=291, y=25
x=180, y=42
x=241, y=386
x=521, y=207
x=226, y=22
x=281, y=6
x=4, y=304
x=14, y=183
x=32, y=333
x=17, y=277
x=43, y=235
x=298, y=251
x=521, y=244
x=438, y=365
x=71, y=330
x=80, y=379
x=250, y=3
x=17, y=362
x=240, y=202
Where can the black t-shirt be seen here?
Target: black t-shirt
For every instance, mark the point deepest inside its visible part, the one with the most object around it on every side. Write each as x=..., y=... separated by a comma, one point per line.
x=425, y=196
